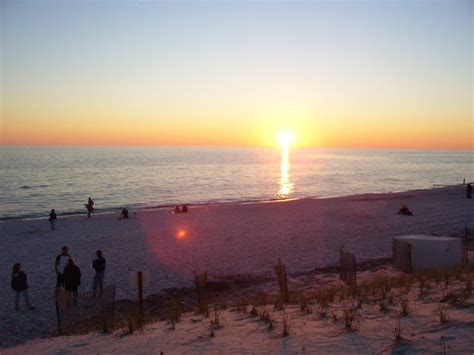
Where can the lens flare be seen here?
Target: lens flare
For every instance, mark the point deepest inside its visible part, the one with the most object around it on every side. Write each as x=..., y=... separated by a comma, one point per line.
x=181, y=234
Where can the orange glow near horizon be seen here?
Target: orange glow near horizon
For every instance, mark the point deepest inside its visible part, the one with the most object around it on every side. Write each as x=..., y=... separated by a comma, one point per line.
x=309, y=128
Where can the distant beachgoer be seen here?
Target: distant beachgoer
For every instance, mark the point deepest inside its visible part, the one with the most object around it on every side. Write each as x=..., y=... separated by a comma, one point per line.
x=177, y=209
x=72, y=280
x=52, y=220
x=184, y=209
x=405, y=211
x=90, y=207
x=98, y=264
x=124, y=214
x=469, y=191
x=59, y=266
x=20, y=286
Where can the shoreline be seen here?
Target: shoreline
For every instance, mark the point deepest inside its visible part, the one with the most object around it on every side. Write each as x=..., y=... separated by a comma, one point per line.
x=116, y=210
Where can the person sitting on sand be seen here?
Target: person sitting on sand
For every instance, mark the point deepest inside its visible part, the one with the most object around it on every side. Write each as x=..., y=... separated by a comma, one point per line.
x=405, y=211
x=124, y=214
x=184, y=209
x=90, y=207
x=72, y=281
x=52, y=220
x=177, y=209
x=20, y=286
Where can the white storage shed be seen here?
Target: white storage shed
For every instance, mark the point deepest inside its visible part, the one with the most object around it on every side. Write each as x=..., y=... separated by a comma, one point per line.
x=433, y=252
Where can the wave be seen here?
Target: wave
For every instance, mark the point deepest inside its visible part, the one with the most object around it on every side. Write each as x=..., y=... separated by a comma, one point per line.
x=33, y=187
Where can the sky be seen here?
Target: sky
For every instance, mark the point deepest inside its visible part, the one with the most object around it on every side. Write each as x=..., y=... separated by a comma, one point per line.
x=389, y=74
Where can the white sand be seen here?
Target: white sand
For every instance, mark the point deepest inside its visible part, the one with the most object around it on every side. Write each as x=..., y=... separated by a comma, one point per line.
x=222, y=239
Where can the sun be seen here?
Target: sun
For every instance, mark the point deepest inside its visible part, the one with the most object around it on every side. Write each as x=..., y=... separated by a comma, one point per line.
x=285, y=138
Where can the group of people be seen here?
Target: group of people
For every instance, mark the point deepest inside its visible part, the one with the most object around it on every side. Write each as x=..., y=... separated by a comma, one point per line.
x=124, y=214
x=182, y=209
x=68, y=277
x=68, y=274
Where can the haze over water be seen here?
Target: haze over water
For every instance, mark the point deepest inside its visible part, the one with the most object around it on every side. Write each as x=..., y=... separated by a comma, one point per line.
x=35, y=179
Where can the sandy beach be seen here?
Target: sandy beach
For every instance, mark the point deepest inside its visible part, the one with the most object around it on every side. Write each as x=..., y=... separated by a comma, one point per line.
x=225, y=240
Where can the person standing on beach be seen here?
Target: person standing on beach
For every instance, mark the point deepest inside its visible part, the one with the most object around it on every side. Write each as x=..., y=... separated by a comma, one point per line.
x=469, y=191
x=98, y=264
x=20, y=286
x=59, y=266
x=90, y=207
x=72, y=281
x=52, y=220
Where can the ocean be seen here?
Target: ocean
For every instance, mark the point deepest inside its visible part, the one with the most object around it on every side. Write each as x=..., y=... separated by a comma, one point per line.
x=34, y=179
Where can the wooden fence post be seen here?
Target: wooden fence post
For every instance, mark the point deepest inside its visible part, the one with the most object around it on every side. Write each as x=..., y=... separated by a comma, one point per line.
x=201, y=289
x=140, y=296
x=58, y=317
x=280, y=271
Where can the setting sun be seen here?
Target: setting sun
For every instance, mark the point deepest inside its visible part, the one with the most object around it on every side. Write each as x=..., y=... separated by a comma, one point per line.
x=285, y=138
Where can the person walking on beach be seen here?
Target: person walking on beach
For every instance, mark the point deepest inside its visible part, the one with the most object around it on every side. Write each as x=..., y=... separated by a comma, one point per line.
x=469, y=191
x=90, y=207
x=59, y=266
x=20, y=286
x=52, y=220
x=98, y=264
x=72, y=281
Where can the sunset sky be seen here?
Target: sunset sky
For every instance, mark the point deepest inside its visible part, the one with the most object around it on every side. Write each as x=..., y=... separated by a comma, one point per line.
x=235, y=73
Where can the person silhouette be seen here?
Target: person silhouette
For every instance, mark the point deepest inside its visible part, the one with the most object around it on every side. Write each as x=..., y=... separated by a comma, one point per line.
x=52, y=220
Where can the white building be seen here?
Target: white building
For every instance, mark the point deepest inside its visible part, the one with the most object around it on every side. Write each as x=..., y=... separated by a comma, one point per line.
x=432, y=252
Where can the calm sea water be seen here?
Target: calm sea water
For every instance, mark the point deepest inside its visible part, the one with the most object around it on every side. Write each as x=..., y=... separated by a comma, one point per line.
x=35, y=179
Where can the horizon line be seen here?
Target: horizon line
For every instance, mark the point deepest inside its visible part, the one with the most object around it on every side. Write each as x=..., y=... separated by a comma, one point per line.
x=231, y=146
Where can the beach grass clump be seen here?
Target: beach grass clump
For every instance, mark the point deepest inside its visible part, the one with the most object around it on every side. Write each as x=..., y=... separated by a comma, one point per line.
x=253, y=311
x=285, y=326
x=215, y=321
x=304, y=305
x=404, y=305
x=267, y=319
x=350, y=317
x=173, y=311
x=398, y=334
x=441, y=313
x=242, y=304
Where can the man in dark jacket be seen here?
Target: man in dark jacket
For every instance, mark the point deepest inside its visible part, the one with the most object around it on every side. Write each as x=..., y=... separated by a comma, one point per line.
x=72, y=280
x=98, y=264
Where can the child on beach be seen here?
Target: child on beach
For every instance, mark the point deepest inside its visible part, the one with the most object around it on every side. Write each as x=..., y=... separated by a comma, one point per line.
x=72, y=281
x=90, y=207
x=20, y=286
x=52, y=220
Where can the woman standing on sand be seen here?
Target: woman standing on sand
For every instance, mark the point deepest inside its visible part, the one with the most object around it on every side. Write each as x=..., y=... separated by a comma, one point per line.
x=20, y=286
x=90, y=207
x=52, y=220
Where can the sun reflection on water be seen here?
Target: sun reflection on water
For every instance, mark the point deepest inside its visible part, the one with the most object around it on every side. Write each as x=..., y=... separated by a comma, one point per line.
x=285, y=185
